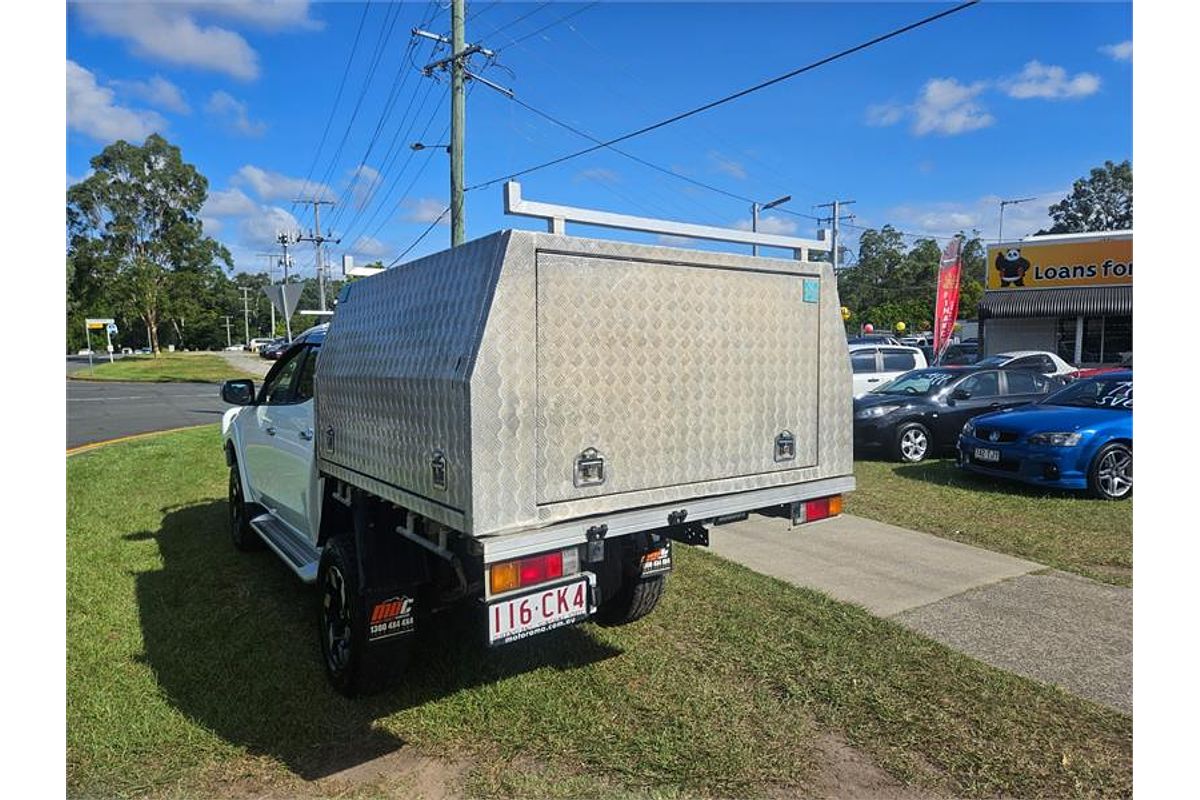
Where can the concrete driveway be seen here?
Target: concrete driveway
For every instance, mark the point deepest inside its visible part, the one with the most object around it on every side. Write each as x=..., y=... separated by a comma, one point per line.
x=1014, y=614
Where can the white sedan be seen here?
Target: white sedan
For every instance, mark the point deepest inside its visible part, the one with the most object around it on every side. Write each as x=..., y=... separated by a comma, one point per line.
x=1039, y=361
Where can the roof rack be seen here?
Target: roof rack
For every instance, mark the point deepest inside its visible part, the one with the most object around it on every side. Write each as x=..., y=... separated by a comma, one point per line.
x=557, y=217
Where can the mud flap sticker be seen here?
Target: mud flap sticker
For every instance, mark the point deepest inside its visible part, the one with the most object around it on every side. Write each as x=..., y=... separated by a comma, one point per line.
x=391, y=617
x=657, y=561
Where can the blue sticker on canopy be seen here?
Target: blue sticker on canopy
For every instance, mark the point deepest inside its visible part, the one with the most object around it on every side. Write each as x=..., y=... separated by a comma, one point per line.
x=812, y=290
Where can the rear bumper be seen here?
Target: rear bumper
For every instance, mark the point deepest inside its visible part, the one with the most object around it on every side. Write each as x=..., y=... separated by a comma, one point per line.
x=1052, y=467
x=501, y=547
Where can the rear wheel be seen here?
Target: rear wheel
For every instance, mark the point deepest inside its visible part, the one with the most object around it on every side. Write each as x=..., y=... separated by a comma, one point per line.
x=636, y=598
x=352, y=665
x=912, y=442
x=243, y=536
x=1111, y=474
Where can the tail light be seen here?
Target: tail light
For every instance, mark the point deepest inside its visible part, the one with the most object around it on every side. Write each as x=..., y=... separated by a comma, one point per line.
x=813, y=510
x=506, y=576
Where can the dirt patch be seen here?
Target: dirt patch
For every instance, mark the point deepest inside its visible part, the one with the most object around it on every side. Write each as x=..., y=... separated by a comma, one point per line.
x=848, y=773
x=417, y=776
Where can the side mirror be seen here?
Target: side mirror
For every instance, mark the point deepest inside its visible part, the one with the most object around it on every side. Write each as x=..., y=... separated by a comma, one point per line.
x=960, y=394
x=238, y=393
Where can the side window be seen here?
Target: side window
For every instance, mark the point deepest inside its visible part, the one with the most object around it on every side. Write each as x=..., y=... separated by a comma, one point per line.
x=898, y=361
x=1028, y=362
x=1023, y=382
x=278, y=388
x=984, y=384
x=863, y=361
x=1046, y=366
x=304, y=383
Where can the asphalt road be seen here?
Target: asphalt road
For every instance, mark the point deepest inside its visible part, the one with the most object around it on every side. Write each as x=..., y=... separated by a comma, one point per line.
x=102, y=410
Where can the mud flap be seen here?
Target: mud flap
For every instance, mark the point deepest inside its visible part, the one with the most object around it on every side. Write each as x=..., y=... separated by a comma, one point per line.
x=657, y=560
x=389, y=615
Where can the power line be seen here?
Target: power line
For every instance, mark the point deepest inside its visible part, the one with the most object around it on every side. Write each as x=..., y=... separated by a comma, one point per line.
x=510, y=23
x=736, y=95
x=550, y=25
x=338, y=96
x=640, y=160
x=417, y=241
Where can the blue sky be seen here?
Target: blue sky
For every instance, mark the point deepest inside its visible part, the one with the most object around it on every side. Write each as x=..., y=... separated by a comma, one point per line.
x=927, y=131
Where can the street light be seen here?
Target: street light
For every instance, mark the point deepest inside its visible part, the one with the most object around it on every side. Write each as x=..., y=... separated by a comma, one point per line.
x=1004, y=203
x=757, y=207
x=421, y=146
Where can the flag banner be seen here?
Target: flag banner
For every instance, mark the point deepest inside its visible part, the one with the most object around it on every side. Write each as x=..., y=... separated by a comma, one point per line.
x=945, y=312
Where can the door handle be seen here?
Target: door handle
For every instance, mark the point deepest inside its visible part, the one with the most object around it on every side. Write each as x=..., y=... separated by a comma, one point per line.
x=270, y=431
x=306, y=435
x=872, y=380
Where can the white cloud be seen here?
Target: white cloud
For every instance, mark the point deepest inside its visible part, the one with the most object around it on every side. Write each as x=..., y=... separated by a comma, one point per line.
x=91, y=110
x=1121, y=51
x=882, y=115
x=599, y=175
x=778, y=225
x=275, y=186
x=426, y=210
x=728, y=166
x=169, y=32
x=1050, y=82
x=234, y=114
x=157, y=91
x=260, y=228
x=211, y=225
x=674, y=241
x=948, y=107
x=983, y=214
x=228, y=203
x=363, y=180
x=369, y=247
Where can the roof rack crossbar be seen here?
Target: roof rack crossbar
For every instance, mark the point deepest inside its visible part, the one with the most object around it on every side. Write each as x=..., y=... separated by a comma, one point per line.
x=557, y=217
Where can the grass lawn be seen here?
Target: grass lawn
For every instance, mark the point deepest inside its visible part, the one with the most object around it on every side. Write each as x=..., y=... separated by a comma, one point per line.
x=166, y=368
x=194, y=670
x=1069, y=531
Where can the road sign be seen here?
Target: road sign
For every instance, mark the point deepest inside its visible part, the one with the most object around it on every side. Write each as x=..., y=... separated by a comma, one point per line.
x=284, y=296
x=112, y=328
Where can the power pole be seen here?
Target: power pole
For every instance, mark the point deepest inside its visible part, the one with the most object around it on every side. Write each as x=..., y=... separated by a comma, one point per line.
x=318, y=239
x=457, y=63
x=836, y=217
x=246, y=311
x=228, y=331
x=284, y=239
x=270, y=276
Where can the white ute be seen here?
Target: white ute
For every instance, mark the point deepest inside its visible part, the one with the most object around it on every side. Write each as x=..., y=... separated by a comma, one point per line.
x=525, y=423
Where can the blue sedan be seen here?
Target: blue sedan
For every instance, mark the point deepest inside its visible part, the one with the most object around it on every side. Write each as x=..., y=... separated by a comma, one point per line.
x=1080, y=437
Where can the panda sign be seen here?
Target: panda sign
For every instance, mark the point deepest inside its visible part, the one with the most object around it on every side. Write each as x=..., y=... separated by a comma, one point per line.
x=1044, y=262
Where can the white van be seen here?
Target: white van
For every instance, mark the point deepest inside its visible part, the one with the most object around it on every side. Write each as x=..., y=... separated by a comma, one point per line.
x=874, y=365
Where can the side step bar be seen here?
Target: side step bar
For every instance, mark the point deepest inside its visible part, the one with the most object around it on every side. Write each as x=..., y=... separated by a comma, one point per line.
x=297, y=553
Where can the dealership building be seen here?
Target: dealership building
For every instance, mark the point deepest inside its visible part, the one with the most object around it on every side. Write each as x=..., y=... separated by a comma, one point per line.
x=1071, y=294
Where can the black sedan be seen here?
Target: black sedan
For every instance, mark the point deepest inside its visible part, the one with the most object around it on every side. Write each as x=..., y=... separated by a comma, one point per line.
x=924, y=410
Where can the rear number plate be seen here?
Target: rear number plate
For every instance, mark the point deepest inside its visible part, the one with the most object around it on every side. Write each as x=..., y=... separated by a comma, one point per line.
x=987, y=454
x=540, y=611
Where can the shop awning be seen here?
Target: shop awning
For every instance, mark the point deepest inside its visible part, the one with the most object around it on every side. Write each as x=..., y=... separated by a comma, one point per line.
x=1089, y=301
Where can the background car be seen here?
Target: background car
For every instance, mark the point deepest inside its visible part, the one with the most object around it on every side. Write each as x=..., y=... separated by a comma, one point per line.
x=274, y=349
x=254, y=345
x=1040, y=361
x=873, y=338
x=960, y=354
x=921, y=412
x=1080, y=437
x=874, y=365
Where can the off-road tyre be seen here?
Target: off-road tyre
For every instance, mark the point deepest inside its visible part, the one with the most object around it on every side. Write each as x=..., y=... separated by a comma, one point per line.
x=244, y=537
x=636, y=598
x=1110, y=476
x=352, y=666
x=913, y=443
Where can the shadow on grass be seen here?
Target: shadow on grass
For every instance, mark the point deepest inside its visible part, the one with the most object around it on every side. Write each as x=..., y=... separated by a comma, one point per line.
x=232, y=640
x=944, y=472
